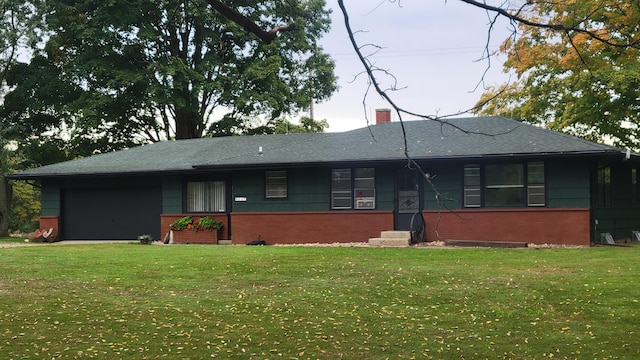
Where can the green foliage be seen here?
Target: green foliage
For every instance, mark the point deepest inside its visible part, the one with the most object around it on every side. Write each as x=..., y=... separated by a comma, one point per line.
x=208, y=223
x=307, y=125
x=182, y=223
x=128, y=72
x=571, y=81
x=203, y=223
x=145, y=239
x=25, y=208
x=133, y=302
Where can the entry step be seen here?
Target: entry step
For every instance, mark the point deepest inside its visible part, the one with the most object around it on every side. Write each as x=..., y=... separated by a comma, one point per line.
x=392, y=238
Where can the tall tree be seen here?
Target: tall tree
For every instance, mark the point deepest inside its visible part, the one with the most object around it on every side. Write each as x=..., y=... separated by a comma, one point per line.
x=19, y=24
x=586, y=82
x=135, y=71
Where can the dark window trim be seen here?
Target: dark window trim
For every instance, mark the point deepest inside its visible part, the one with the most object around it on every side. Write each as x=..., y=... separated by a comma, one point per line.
x=352, y=189
x=482, y=186
x=185, y=194
x=286, y=186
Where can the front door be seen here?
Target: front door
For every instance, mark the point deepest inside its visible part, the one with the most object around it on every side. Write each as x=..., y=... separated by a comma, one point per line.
x=408, y=199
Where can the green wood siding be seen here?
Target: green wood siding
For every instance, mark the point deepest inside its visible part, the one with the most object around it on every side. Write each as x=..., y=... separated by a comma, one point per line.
x=623, y=216
x=50, y=199
x=568, y=184
x=172, y=195
x=385, y=188
x=307, y=190
x=447, y=180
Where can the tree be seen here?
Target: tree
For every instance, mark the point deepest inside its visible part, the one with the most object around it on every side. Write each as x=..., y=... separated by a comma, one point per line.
x=582, y=82
x=127, y=72
x=19, y=22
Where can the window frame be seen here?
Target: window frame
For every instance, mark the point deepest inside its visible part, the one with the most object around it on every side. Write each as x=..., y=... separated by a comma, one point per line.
x=209, y=202
x=360, y=192
x=276, y=194
x=531, y=188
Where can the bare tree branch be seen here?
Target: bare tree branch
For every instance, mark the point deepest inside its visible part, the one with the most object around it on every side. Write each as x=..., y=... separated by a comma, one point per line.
x=234, y=15
x=555, y=27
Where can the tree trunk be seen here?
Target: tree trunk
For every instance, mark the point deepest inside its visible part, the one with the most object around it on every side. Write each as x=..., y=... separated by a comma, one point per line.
x=187, y=124
x=5, y=206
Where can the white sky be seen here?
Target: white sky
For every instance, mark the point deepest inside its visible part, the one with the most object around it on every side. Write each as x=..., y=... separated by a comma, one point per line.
x=432, y=47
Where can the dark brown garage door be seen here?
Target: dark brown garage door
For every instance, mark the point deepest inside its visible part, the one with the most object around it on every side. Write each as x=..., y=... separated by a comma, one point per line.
x=111, y=214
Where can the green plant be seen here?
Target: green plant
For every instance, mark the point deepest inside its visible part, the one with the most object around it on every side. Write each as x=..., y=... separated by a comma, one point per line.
x=145, y=239
x=182, y=223
x=207, y=223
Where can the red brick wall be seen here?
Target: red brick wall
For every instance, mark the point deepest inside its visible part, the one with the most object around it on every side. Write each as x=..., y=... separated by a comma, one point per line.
x=310, y=227
x=536, y=226
x=167, y=219
x=48, y=222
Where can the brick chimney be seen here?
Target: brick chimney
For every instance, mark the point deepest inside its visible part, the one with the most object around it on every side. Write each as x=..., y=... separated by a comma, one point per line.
x=383, y=116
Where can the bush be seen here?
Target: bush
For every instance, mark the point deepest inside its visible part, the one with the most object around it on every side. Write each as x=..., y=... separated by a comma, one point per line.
x=145, y=239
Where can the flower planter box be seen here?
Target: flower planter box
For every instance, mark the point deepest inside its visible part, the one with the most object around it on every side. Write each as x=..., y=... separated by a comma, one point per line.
x=195, y=237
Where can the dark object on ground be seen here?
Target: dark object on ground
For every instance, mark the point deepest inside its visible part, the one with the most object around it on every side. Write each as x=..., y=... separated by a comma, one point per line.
x=500, y=244
x=257, y=242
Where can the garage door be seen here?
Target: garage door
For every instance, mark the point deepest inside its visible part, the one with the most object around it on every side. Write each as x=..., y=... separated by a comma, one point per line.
x=111, y=214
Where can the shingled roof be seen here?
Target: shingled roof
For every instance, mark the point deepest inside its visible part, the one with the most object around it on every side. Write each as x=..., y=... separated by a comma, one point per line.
x=464, y=138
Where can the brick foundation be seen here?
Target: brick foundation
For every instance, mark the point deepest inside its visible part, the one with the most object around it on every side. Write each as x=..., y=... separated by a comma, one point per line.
x=48, y=222
x=310, y=227
x=535, y=226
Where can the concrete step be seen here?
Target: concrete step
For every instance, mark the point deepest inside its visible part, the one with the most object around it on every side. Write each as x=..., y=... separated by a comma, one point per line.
x=389, y=242
x=394, y=234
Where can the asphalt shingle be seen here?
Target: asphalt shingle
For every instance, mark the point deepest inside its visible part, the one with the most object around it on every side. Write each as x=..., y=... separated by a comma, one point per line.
x=460, y=138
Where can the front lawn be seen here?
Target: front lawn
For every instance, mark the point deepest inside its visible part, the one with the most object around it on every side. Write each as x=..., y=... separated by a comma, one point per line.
x=190, y=302
x=11, y=240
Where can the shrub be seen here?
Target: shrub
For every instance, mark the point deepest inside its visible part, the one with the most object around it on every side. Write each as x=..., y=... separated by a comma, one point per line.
x=182, y=223
x=207, y=223
x=145, y=239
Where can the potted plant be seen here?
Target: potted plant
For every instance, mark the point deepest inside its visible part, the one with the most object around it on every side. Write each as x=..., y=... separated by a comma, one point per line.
x=145, y=239
x=204, y=230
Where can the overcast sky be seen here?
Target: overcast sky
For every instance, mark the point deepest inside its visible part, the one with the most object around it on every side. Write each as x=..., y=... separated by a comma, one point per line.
x=432, y=47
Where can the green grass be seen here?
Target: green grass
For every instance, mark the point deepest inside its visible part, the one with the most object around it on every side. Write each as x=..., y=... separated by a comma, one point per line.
x=11, y=240
x=190, y=302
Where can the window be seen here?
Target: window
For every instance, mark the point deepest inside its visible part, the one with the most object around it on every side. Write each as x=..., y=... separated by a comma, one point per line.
x=353, y=189
x=206, y=196
x=535, y=184
x=341, y=189
x=604, y=186
x=276, y=184
x=364, y=188
x=504, y=185
x=472, y=186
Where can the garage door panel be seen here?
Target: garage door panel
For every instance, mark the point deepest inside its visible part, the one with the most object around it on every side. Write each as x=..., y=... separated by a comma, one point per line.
x=111, y=214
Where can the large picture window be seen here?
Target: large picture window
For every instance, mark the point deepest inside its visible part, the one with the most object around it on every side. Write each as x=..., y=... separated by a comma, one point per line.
x=276, y=184
x=353, y=189
x=205, y=196
x=504, y=185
